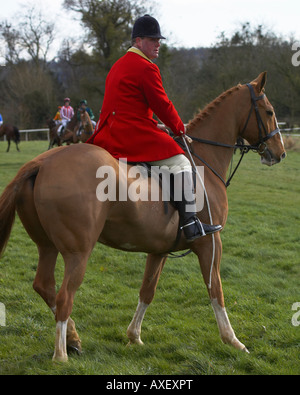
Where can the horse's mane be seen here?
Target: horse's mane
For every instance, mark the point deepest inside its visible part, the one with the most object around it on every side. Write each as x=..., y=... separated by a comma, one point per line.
x=202, y=114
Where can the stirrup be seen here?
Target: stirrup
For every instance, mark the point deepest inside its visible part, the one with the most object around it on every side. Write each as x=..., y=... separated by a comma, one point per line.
x=195, y=229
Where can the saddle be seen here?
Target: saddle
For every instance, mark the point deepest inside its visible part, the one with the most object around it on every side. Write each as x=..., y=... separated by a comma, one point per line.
x=170, y=194
x=148, y=168
x=171, y=200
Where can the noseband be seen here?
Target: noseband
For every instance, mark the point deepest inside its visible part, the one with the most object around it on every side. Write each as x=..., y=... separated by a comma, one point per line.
x=260, y=147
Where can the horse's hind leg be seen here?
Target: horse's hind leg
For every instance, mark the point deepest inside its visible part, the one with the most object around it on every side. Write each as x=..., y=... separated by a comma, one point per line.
x=8, y=145
x=44, y=282
x=44, y=285
x=212, y=279
x=154, y=266
x=75, y=264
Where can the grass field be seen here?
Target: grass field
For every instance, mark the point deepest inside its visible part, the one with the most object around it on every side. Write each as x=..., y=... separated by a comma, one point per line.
x=260, y=273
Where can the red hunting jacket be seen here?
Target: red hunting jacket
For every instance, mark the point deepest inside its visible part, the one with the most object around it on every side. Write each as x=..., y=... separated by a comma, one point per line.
x=126, y=128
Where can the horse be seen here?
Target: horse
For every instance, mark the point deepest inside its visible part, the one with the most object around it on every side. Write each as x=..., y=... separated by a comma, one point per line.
x=68, y=133
x=62, y=214
x=54, y=138
x=84, y=132
x=12, y=133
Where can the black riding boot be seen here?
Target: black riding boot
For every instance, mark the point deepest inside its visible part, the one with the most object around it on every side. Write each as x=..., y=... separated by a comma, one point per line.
x=186, y=205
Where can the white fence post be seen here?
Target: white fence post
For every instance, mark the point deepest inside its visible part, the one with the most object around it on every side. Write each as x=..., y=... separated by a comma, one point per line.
x=34, y=130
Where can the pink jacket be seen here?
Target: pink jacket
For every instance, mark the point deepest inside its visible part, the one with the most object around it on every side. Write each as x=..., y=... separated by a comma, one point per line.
x=67, y=113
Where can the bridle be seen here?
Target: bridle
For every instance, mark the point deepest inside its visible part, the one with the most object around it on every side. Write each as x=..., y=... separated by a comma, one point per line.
x=261, y=127
x=260, y=147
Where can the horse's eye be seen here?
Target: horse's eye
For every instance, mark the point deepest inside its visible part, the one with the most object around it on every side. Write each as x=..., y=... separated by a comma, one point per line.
x=270, y=112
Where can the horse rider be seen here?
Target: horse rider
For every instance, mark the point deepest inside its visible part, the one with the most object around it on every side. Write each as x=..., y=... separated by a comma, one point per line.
x=83, y=106
x=67, y=113
x=1, y=120
x=126, y=128
x=58, y=119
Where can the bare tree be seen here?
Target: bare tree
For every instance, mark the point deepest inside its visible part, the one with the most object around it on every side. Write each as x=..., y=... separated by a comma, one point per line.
x=36, y=34
x=31, y=36
x=10, y=36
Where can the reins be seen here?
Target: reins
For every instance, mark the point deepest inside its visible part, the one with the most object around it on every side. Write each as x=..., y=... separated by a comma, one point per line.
x=245, y=148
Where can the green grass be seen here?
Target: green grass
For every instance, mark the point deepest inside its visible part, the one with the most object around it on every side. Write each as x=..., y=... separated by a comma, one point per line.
x=260, y=272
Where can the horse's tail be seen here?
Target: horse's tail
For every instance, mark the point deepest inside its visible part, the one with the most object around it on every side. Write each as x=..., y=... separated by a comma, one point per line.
x=17, y=134
x=9, y=198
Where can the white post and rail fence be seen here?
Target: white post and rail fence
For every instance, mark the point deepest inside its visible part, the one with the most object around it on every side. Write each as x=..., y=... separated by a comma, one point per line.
x=28, y=131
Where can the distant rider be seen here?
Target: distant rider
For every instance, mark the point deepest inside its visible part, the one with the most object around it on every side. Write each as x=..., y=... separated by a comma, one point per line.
x=83, y=106
x=58, y=119
x=67, y=113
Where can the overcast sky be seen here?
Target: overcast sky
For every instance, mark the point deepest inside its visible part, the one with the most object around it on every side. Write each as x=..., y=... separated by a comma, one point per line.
x=187, y=23
x=199, y=22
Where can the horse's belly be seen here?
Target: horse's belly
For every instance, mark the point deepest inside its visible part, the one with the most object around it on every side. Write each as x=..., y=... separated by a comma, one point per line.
x=141, y=226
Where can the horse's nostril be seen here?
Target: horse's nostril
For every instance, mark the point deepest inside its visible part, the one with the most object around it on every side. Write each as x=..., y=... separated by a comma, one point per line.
x=283, y=156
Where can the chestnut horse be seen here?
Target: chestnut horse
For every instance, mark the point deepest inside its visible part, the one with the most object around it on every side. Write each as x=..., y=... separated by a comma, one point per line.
x=62, y=214
x=86, y=128
x=12, y=133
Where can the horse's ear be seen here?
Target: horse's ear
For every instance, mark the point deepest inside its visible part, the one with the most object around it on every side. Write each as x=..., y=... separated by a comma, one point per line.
x=260, y=82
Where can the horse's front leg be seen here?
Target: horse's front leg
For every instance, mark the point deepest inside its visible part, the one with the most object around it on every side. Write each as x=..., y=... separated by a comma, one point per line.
x=8, y=145
x=135, y=327
x=154, y=266
x=211, y=274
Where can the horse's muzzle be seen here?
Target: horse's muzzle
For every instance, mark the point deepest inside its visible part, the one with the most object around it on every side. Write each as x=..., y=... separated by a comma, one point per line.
x=269, y=159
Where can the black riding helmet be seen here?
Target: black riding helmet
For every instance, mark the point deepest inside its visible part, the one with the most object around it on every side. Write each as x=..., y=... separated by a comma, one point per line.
x=146, y=26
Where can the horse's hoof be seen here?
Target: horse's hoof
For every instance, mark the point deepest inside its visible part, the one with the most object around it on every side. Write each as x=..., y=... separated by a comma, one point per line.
x=60, y=358
x=74, y=348
x=135, y=341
